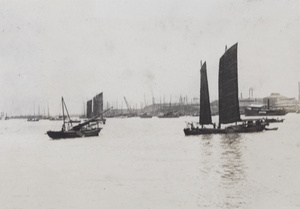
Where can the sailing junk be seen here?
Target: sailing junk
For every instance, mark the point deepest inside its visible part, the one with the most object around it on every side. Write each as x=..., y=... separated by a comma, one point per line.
x=228, y=101
x=85, y=129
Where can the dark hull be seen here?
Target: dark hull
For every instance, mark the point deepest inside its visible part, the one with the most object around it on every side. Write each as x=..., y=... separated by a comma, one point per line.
x=73, y=134
x=244, y=129
x=200, y=131
x=271, y=129
x=168, y=116
x=145, y=116
x=264, y=112
x=229, y=129
x=274, y=120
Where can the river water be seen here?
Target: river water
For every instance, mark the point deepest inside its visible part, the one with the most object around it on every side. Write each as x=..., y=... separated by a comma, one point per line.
x=148, y=164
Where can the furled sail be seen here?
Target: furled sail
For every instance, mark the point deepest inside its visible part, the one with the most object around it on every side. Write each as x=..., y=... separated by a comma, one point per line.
x=89, y=110
x=98, y=105
x=205, y=112
x=228, y=87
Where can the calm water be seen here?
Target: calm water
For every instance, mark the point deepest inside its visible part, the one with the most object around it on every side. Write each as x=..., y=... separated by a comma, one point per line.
x=148, y=163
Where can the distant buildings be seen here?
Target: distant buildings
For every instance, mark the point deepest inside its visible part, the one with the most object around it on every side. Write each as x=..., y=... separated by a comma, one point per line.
x=279, y=101
x=274, y=100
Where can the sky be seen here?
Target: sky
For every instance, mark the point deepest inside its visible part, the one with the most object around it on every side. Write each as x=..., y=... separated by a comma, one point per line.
x=141, y=49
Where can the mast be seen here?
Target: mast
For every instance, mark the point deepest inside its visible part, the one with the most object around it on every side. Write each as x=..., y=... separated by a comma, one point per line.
x=228, y=87
x=48, y=110
x=64, y=106
x=63, y=112
x=205, y=112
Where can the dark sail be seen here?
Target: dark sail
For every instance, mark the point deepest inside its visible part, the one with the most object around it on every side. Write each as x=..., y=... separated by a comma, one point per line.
x=98, y=105
x=205, y=113
x=89, y=111
x=228, y=87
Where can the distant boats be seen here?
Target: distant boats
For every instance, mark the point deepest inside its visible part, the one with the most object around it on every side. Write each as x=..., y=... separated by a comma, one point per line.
x=3, y=117
x=33, y=119
x=228, y=101
x=273, y=120
x=85, y=129
x=145, y=115
x=169, y=115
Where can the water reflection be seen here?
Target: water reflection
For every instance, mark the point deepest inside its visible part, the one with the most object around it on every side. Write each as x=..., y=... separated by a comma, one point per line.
x=232, y=170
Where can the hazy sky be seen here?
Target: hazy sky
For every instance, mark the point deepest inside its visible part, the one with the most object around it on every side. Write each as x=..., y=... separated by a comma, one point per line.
x=139, y=49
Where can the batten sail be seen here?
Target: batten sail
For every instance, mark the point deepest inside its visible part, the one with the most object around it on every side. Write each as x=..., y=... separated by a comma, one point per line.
x=89, y=110
x=228, y=87
x=205, y=112
x=98, y=105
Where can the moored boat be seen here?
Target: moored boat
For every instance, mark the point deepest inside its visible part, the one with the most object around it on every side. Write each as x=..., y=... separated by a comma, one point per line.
x=169, y=115
x=34, y=119
x=273, y=120
x=145, y=115
x=85, y=129
x=3, y=117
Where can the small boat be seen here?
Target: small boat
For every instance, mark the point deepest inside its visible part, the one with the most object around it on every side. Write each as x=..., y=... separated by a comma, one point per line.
x=169, y=115
x=273, y=120
x=85, y=129
x=33, y=119
x=229, y=110
x=2, y=117
x=60, y=117
x=75, y=121
x=145, y=115
x=271, y=129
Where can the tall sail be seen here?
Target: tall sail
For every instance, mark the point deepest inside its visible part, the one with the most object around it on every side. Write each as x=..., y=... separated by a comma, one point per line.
x=98, y=105
x=228, y=87
x=89, y=110
x=205, y=112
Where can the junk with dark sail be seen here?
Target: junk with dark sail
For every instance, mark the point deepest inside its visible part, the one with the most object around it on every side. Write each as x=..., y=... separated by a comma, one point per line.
x=228, y=100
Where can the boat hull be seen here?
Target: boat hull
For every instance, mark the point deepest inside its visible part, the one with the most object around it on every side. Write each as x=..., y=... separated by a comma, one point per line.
x=146, y=116
x=168, y=116
x=273, y=120
x=244, y=128
x=73, y=134
x=201, y=131
x=229, y=129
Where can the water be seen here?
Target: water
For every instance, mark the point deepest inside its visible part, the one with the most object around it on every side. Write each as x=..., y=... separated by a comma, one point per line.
x=148, y=163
